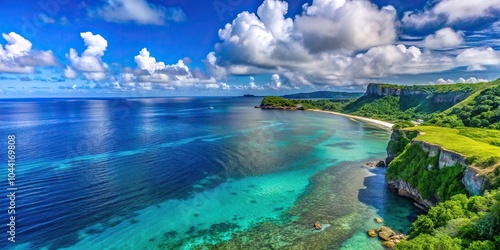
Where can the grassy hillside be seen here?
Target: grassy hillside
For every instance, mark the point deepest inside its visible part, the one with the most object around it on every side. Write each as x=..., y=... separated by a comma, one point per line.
x=477, y=144
x=399, y=102
x=480, y=110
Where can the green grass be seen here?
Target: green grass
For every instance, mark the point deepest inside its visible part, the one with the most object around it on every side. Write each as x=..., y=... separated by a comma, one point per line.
x=489, y=136
x=471, y=142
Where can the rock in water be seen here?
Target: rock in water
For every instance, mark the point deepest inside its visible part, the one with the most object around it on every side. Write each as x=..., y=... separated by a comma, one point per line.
x=372, y=233
x=381, y=164
x=385, y=233
x=378, y=220
x=389, y=244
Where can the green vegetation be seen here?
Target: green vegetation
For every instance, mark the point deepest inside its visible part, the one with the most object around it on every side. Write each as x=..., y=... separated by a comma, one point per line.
x=459, y=223
x=412, y=102
x=412, y=166
x=489, y=136
x=402, y=124
x=480, y=146
x=277, y=101
x=474, y=143
x=385, y=108
x=483, y=112
x=331, y=105
x=400, y=139
x=480, y=110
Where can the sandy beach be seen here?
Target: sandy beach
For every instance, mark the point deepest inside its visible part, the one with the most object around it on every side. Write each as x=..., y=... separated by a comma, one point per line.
x=378, y=123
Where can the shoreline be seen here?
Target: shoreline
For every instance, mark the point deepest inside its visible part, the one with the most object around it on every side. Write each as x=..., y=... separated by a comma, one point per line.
x=378, y=123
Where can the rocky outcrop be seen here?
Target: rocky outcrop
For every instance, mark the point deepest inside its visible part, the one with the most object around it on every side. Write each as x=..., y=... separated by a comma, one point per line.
x=379, y=90
x=474, y=182
x=411, y=92
x=387, y=236
x=407, y=190
x=451, y=97
x=446, y=157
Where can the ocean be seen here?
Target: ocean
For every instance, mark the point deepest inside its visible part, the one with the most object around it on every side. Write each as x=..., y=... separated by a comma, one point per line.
x=175, y=173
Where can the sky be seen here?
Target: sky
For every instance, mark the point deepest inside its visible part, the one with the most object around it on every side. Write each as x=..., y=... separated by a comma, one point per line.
x=234, y=47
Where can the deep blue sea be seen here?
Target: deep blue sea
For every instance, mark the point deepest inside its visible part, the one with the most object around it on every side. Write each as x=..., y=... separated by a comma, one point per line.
x=172, y=173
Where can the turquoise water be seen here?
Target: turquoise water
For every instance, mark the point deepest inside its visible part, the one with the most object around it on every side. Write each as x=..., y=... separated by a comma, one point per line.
x=173, y=174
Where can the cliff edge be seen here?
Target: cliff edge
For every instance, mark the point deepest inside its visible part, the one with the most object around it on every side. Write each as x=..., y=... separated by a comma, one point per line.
x=429, y=173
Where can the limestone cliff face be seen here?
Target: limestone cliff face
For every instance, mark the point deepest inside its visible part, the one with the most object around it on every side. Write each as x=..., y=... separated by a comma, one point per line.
x=451, y=97
x=379, y=90
x=446, y=157
x=406, y=92
x=474, y=182
x=407, y=190
x=412, y=96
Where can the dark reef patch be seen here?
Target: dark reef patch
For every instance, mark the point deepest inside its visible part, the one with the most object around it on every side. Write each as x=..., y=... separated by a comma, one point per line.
x=343, y=145
x=170, y=234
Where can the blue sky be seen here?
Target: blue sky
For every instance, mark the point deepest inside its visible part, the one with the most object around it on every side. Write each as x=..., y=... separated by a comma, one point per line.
x=232, y=47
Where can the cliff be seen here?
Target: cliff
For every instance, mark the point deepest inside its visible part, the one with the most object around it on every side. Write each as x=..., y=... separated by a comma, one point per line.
x=422, y=98
x=380, y=90
x=474, y=181
x=407, y=190
x=429, y=173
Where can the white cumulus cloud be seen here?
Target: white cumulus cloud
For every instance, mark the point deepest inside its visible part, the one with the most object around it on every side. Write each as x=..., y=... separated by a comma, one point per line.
x=69, y=73
x=443, y=81
x=334, y=42
x=452, y=11
x=471, y=80
x=18, y=57
x=444, y=38
x=90, y=62
x=318, y=44
x=151, y=73
x=276, y=81
x=139, y=11
x=476, y=58
x=339, y=24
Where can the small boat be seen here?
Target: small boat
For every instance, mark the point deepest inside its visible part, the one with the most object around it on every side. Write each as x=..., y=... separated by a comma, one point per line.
x=210, y=107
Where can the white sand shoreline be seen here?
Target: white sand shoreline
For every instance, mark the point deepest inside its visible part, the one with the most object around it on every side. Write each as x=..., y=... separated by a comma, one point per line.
x=378, y=123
